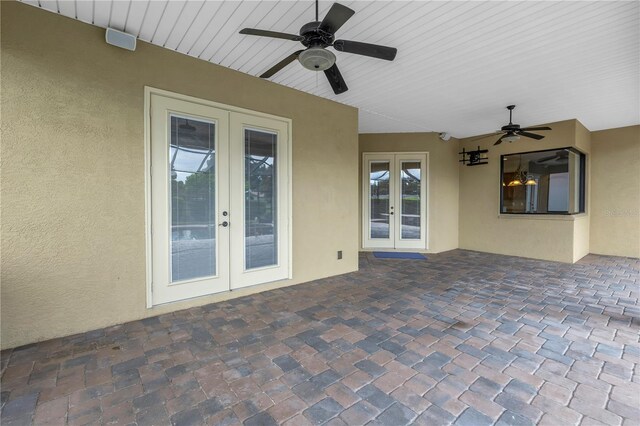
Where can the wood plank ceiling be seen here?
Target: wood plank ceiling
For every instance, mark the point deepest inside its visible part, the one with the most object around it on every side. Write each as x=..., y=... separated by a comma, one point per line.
x=458, y=65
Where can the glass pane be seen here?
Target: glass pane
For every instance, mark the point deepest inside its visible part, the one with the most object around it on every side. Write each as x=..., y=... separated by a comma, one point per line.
x=193, y=190
x=558, y=192
x=410, y=192
x=260, y=177
x=379, y=190
x=542, y=182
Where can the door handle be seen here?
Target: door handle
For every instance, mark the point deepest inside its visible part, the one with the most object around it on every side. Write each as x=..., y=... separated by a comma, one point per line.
x=224, y=224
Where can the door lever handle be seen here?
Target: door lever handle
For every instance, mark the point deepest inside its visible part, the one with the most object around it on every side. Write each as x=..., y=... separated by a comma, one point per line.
x=225, y=224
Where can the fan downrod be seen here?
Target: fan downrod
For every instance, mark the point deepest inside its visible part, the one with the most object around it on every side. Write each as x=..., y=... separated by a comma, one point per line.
x=510, y=127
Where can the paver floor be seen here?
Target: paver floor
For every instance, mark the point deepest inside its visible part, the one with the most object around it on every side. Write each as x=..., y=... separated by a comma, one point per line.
x=463, y=337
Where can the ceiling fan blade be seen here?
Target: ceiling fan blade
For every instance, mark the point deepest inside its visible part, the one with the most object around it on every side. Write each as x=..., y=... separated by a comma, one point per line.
x=283, y=63
x=366, y=49
x=526, y=129
x=485, y=136
x=335, y=79
x=499, y=141
x=272, y=34
x=335, y=18
x=530, y=135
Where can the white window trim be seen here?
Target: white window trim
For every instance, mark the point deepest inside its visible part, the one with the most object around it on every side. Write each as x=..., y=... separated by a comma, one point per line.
x=148, y=92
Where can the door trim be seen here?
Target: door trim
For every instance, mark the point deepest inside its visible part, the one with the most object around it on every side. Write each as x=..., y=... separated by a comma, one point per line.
x=148, y=92
x=365, y=201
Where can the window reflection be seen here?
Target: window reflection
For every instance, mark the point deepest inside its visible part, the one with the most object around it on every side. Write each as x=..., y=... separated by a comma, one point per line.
x=193, y=221
x=260, y=176
x=543, y=182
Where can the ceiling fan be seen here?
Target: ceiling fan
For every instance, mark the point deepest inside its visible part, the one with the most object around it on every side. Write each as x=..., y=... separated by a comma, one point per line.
x=316, y=36
x=512, y=132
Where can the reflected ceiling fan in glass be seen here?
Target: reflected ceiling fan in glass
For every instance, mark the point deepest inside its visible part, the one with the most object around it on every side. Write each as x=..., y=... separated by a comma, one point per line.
x=558, y=157
x=186, y=127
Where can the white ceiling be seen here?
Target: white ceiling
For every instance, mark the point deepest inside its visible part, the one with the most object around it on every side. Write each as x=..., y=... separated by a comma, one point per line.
x=458, y=64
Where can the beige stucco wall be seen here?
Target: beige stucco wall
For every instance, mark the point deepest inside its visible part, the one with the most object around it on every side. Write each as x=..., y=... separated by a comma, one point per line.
x=73, y=202
x=443, y=183
x=482, y=228
x=581, y=225
x=581, y=233
x=615, y=191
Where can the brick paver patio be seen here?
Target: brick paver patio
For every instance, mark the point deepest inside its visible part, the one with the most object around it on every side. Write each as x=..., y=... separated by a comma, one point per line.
x=463, y=337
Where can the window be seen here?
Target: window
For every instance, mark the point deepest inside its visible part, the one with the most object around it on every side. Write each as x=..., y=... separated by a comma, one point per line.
x=193, y=223
x=543, y=182
x=261, y=189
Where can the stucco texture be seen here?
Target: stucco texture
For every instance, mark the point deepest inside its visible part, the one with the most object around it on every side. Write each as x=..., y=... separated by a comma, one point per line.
x=442, y=215
x=582, y=222
x=615, y=189
x=73, y=176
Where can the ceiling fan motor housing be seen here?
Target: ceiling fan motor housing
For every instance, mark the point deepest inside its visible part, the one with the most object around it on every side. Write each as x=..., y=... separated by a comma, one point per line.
x=316, y=57
x=510, y=127
x=314, y=36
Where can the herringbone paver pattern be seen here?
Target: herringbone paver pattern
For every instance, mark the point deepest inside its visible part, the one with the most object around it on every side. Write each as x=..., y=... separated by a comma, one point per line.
x=463, y=337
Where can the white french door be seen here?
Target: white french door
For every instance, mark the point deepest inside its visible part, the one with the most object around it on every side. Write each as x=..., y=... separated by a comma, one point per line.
x=218, y=193
x=395, y=201
x=189, y=144
x=260, y=198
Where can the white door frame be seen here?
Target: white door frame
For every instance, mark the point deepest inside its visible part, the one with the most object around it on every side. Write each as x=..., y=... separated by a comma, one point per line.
x=395, y=242
x=285, y=216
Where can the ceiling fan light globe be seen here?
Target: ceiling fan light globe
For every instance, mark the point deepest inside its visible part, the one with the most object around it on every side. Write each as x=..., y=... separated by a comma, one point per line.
x=511, y=138
x=317, y=59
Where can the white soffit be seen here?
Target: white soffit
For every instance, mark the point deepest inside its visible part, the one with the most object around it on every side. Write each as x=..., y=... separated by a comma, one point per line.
x=458, y=65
